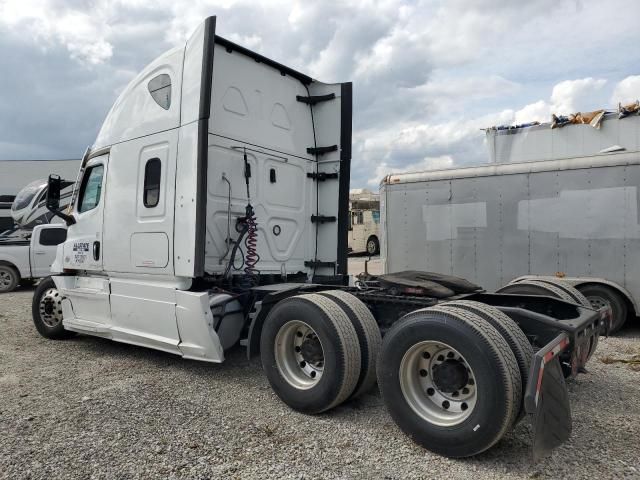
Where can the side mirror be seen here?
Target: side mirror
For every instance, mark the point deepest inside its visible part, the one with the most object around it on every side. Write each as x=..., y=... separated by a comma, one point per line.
x=53, y=192
x=54, y=185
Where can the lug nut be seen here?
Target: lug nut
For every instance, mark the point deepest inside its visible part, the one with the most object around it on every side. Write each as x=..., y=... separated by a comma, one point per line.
x=423, y=372
x=430, y=391
x=450, y=355
x=298, y=334
x=426, y=355
x=464, y=406
x=440, y=358
x=445, y=404
x=471, y=382
x=465, y=390
x=297, y=349
x=303, y=364
x=455, y=394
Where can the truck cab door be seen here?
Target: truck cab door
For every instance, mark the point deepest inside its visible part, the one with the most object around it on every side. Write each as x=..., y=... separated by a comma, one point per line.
x=44, y=244
x=83, y=247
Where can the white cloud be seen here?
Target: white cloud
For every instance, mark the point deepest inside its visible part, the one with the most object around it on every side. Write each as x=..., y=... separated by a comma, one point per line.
x=573, y=96
x=627, y=90
x=428, y=74
x=84, y=34
x=539, y=111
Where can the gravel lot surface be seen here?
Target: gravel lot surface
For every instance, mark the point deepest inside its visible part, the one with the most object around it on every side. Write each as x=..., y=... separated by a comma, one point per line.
x=91, y=408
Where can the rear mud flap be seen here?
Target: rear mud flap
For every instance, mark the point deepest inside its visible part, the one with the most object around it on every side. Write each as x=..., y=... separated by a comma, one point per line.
x=547, y=399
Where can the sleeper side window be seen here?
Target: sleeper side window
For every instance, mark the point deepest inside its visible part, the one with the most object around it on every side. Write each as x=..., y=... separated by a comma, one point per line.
x=160, y=90
x=152, y=175
x=91, y=188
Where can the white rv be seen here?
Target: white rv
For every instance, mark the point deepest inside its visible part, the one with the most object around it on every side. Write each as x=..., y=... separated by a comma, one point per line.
x=212, y=211
x=364, y=220
x=15, y=175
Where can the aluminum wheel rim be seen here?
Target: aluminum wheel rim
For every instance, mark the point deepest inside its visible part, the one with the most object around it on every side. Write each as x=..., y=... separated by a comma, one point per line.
x=371, y=247
x=298, y=370
x=425, y=396
x=6, y=279
x=51, y=308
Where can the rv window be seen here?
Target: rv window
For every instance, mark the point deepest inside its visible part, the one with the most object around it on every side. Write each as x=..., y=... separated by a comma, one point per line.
x=152, y=173
x=160, y=90
x=376, y=216
x=91, y=188
x=53, y=236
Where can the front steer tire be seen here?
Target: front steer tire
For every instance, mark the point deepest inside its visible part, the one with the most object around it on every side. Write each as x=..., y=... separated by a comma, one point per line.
x=46, y=311
x=307, y=378
x=494, y=370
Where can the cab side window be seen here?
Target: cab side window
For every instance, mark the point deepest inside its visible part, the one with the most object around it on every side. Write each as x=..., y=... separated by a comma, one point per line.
x=91, y=188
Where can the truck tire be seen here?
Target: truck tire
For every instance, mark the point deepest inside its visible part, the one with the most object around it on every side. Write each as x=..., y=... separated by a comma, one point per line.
x=449, y=380
x=310, y=353
x=46, y=311
x=368, y=336
x=601, y=295
x=9, y=278
x=510, y=331
x=373, y=245
x=577, y=296
x=536, y=287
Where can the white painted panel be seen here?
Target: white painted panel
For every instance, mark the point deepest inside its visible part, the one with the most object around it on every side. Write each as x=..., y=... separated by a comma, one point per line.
x=254, y=103
x=443, y=221
x=150, y=250
x=144, y=314
x=126, y=215
x=192, y=76
x=561, y=214
x=135, y=113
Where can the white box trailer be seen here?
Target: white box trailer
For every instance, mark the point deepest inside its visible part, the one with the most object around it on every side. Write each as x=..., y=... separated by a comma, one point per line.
x=569, y=211
x=212, y=211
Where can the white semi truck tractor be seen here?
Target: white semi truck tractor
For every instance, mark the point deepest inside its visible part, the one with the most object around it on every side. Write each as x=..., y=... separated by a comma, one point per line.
x=212, y=211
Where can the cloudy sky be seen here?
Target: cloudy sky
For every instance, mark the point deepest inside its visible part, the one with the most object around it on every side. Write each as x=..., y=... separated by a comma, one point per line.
x=428, y=74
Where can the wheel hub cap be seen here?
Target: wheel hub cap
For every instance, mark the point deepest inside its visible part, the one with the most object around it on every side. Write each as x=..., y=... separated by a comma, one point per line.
x=5, y=280
x=51, y=308
x=450, y=375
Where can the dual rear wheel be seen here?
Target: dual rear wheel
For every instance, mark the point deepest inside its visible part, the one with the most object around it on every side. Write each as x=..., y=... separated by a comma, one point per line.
x=319, y=350
x=451, y=376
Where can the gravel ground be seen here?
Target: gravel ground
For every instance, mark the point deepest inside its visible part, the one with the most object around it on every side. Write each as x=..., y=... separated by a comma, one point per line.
x=90, y=408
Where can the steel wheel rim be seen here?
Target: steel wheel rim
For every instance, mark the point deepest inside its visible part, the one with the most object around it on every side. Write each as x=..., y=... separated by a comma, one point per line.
x=598, y=302
x=426, y=397
x=292, y=356
x=51, y=308
x=6, y=279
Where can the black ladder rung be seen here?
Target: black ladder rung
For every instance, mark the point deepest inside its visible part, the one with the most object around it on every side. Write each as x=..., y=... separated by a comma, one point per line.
x=322, y=218
x=313, y=99
x=322, y=150
x=322, y=176
x=319, y=263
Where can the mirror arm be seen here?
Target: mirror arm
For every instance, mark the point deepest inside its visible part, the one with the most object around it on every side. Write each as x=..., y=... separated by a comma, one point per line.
x=68, y=219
